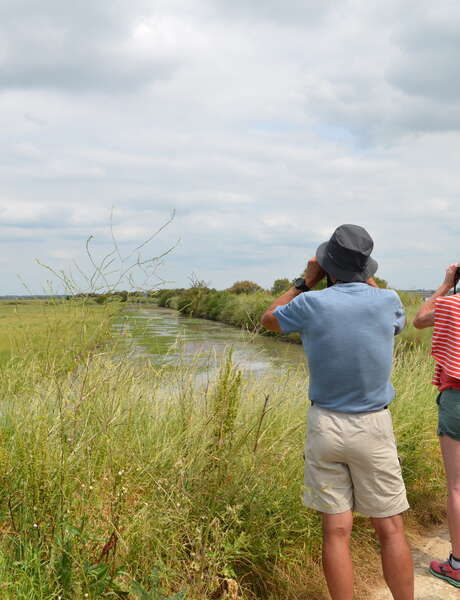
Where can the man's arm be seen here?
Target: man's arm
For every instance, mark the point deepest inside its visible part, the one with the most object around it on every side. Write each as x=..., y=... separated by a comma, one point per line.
x=313, y=273
x=425, y=316
x=371, y=281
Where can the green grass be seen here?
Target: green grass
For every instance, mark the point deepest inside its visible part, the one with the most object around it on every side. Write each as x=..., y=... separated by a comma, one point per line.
x=54, y=331
x=120, y=479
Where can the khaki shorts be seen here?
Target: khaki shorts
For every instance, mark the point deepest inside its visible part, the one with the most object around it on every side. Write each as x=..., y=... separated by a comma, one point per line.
x=351, y=463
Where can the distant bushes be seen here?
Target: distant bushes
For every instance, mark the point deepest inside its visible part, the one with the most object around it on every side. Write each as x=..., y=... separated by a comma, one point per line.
x=280, y=286
x=168, y=297
x=113, y=296
x=241, y=310
x=244, y=287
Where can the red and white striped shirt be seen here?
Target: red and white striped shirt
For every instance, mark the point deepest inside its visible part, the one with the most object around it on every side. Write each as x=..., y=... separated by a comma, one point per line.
x=446, y=339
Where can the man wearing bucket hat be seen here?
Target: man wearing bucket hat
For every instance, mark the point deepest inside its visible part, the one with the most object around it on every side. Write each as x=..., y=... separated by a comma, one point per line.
x=351, y=461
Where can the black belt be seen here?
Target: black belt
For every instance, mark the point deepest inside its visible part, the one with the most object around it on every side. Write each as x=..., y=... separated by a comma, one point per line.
x=384, y=408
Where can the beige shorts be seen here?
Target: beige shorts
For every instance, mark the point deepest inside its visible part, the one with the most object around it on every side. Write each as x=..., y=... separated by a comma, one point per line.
x=351, y=463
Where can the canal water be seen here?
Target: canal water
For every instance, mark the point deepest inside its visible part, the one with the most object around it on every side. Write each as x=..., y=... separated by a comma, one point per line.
x=166, y=337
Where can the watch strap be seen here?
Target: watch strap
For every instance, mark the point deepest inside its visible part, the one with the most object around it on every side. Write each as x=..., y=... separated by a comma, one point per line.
x=300, y=285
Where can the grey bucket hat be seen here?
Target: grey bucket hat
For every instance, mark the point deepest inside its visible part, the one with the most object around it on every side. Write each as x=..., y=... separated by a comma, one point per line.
x=346, y=256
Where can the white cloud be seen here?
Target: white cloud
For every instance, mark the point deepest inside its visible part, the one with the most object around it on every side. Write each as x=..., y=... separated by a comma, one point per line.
x=265, y=127
x=90, y=45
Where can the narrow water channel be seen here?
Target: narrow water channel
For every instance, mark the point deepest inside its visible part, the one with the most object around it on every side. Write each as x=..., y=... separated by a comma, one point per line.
x=166, y=337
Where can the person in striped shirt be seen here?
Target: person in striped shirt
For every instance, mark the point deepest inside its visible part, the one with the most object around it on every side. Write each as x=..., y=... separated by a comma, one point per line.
x=442, y=312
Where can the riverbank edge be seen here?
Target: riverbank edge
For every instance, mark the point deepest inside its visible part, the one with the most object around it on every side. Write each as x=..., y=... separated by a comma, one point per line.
x=244, y=311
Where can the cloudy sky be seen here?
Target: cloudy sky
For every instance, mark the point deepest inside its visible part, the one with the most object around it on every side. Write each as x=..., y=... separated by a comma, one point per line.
x=263, y=125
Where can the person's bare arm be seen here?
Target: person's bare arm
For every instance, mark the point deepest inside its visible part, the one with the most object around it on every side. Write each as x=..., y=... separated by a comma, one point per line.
x=425, y=316
x=371, y=281
x=312, y=274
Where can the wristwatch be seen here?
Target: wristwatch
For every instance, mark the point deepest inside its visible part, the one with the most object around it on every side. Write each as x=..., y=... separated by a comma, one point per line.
x=300, y=285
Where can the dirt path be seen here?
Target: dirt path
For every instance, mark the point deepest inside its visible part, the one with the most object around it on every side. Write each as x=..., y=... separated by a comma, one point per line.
x=434, y=546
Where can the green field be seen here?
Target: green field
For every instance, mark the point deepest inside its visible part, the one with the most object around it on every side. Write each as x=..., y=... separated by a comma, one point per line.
x=123, y=480
x=52, y=330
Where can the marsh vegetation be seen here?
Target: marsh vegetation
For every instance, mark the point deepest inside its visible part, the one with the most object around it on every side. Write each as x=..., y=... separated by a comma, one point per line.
x=138, y=479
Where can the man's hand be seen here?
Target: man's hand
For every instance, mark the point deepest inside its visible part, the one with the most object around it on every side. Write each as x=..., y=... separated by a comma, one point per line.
x=313, y=272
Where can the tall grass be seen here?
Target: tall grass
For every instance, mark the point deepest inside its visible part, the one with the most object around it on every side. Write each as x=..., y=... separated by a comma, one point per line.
x=120, y=479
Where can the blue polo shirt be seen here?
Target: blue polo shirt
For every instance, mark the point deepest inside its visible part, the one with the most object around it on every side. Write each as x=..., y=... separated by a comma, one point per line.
x=347, y=333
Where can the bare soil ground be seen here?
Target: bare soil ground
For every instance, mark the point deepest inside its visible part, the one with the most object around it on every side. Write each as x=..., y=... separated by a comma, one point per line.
x=433, y=546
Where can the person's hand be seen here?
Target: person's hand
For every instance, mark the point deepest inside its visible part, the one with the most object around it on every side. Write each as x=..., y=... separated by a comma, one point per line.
x=449, y=280
x=313, y=272
x=371, y=282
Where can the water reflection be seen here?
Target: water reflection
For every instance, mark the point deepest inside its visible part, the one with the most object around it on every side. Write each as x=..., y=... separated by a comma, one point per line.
x=167, y=338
